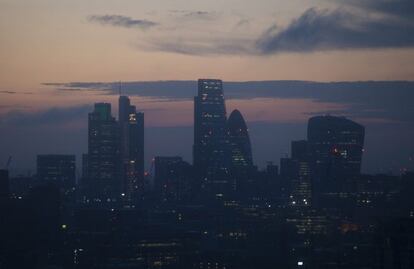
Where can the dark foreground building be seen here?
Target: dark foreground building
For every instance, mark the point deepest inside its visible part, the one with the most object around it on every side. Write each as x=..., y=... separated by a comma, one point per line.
x=59, y=169
x=173, y=178
x=4, y=184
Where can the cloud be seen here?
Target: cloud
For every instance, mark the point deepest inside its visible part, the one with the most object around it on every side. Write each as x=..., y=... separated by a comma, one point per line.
x=52, y=116
x=82, y=86
x=398, y=8
x=204, y=15
x=391, y=25
x=242, y=23
x=14, y=92
x=194, y=14
x=356, y=24
x=13, y=107
x=186, y=34
x=121, y=21
x=200, y=47
x=388, y=100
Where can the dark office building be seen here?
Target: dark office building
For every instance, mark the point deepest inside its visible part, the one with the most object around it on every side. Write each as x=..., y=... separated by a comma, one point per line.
x=268, y=180
x=30, y=229
x=336, y=146
x=211, y=156
x=21, y=184
x=301, y=188
x=300, y=185
x=60, y=169
x=103, y=182
x=287, y=172
x=172, y=178
x=131, y=126
x=4, y=183
x=300, y=150
x=84, y=166
x=272, y=170
x=394, y=244
x=124, y=109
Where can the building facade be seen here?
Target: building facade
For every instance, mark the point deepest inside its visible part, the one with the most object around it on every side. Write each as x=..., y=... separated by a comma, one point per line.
x=239, y=140
x=172, y=178
x=240, y=151
x=60, y=169
x=103, y=179
x=131, y=129
x=211, y=154
x=336, y=146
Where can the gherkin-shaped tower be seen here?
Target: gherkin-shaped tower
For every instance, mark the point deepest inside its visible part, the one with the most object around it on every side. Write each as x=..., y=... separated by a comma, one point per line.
x=239, y=140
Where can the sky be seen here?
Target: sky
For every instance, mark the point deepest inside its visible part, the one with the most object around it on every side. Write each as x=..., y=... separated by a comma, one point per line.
x=59, y=57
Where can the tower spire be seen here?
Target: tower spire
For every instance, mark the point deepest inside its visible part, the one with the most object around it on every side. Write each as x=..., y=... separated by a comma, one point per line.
x=120, y=88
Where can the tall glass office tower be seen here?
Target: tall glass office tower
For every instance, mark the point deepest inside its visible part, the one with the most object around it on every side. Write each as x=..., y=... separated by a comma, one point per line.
x=211, y=156
x=131, y=124
x=103, y=155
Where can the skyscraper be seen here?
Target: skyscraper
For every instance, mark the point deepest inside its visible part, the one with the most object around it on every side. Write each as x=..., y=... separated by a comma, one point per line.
x=240, y=150
x=239, y=140
x=60, y=169
x=103, y=182
x=211, y=156
x=131, y=125
x=336, y=146
x=300, y=184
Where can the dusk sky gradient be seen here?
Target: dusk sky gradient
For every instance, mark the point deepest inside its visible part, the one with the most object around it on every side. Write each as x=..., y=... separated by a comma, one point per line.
x=57, y=58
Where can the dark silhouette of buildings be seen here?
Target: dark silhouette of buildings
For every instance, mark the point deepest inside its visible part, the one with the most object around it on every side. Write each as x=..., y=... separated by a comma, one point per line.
x=84, y=168
x=336, y=145
x=286, y=172
x=223, y=212
x=131, y=129
x=113, y=169
x=30, y=229
x=173, y=178
x=211, y=155
x=4, y=184
x=59, y=169
x=103, y=179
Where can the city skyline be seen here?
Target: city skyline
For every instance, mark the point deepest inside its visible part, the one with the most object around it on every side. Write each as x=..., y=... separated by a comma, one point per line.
x=226, y=134
x=60, y=58
x=113, y=167
x=283, y=113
